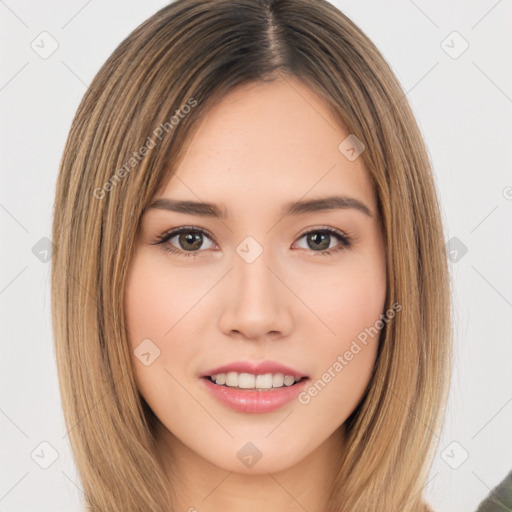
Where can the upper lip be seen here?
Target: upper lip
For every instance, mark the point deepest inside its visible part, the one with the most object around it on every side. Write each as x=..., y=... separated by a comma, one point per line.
x=255, y=368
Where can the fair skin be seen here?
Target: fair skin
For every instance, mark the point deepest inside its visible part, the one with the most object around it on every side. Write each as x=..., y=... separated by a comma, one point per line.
x=259, y=148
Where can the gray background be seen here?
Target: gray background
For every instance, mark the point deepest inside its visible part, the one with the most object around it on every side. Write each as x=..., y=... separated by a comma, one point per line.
x=463, y=102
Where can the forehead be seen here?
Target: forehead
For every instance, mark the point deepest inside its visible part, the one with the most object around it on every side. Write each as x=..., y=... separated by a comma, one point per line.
x=268, y=143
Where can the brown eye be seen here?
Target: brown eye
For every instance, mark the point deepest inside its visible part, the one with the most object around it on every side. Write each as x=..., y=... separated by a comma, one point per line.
x=188, y=241
x=319, y=241
x=185, y=240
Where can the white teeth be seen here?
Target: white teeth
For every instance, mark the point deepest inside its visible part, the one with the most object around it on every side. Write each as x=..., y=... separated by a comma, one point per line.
x=288, y=380
x=250, y=381
x=277, y=380
x=219, y=379
x=264, y=381
x=246, y=381
x=232, y=379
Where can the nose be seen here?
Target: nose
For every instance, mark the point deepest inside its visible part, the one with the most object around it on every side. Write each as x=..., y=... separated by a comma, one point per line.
x=256, y=301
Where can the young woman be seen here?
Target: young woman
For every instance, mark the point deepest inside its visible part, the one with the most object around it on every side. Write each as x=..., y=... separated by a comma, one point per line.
x=250, y=290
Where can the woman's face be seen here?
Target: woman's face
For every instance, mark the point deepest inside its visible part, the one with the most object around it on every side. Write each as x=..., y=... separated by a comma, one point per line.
x=249, y=281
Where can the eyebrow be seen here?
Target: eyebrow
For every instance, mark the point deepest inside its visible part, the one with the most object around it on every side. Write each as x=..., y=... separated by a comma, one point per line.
x=293, y=208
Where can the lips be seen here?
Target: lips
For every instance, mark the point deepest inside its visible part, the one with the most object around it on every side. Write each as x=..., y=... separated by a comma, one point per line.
x=255, y=369
x=250, y=401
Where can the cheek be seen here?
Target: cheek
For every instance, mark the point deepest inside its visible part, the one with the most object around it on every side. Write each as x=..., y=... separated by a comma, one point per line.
x=148, y=307
x=156, y=311
x=348, y=306
x=347, y=301
x=157, y=300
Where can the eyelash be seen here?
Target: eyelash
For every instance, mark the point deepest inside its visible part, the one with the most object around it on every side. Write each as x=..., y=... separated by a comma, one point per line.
x=345, y=241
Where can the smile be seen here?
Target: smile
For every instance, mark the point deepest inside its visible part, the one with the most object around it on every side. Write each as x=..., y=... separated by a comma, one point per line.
x=256, y=394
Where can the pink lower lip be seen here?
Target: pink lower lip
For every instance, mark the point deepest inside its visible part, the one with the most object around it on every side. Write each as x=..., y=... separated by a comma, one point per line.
x=254, y=401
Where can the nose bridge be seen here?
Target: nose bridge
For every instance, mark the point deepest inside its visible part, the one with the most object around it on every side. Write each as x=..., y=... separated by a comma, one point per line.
x=255, y=304
x=255, y=282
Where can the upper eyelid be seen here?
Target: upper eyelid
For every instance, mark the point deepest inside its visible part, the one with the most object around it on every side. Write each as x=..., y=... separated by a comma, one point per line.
x=171, y=233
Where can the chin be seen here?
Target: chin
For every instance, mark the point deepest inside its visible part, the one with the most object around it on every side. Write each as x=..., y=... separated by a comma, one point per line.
x=256, y=456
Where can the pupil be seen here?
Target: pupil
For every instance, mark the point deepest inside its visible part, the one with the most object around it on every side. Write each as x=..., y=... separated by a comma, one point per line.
x=187, y=238
x=324, y=237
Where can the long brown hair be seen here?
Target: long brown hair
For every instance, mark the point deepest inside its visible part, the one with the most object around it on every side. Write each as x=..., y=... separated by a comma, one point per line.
x=150, y=93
